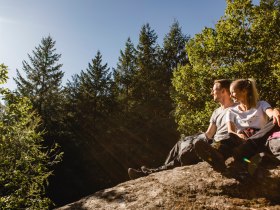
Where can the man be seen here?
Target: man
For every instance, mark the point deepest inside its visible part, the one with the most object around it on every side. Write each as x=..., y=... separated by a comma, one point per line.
x=183, y=152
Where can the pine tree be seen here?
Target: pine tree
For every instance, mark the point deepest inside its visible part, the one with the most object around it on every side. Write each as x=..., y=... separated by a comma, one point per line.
x=91, y=96
x=174, y=49
x=90, y=102
x=148, y=72
x=42, y=83
x=173, y=56
x=124, y=74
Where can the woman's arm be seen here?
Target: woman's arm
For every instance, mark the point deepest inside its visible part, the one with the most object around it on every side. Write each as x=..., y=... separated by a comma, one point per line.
x=232, y=129
x=275, y=114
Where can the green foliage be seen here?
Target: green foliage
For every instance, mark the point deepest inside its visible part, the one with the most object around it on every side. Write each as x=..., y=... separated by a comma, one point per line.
x=243, y=44
x=24, y=164
x=3, y=73
x=192, y=99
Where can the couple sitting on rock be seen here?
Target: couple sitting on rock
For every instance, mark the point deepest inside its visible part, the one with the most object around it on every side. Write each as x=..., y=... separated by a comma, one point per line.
x=239, y=128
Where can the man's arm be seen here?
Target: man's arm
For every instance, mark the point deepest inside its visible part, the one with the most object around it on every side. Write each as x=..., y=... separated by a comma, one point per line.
x=211, y=131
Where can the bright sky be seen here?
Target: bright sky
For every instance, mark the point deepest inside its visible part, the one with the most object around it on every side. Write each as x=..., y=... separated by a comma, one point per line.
x=82, y=27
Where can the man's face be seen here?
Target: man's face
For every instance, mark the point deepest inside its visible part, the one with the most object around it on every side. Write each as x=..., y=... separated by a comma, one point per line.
x=217, y=92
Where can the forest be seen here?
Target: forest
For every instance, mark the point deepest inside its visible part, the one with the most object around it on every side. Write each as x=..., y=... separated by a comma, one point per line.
x=60, y=142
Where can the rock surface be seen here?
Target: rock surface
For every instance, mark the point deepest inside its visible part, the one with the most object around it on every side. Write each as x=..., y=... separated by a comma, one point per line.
x=189, y=187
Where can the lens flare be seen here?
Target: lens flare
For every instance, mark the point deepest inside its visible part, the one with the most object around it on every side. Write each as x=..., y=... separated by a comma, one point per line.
x=246, y=160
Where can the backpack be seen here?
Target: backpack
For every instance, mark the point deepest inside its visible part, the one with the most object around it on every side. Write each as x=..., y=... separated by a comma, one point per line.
x=187, y=154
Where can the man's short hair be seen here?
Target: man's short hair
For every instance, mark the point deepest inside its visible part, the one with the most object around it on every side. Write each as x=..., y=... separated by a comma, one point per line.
x=223, y=83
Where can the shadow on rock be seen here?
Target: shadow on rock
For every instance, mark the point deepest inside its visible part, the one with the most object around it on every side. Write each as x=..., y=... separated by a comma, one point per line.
x=264, y=183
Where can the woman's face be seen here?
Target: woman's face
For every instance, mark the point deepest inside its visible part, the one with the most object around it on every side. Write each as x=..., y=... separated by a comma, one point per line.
x=237, y=95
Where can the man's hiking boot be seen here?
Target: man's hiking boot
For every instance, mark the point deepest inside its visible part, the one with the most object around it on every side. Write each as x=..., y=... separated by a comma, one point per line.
x=144, y=171
x=152, y=170
x=135, y=173
x=209, y=154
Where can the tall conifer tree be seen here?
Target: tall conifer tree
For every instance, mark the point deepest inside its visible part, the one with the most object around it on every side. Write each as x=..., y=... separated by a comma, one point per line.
x=42, y=83
x=173, y=56
x=174, y=49
x=124, y=74
x=148, y=73
x=92, y=95
x=90, y=101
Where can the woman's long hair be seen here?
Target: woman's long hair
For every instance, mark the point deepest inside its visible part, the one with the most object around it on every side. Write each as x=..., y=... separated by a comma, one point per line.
x=250, y=86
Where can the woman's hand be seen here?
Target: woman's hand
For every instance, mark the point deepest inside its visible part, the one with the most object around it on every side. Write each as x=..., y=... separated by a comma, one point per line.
x=242, y=136
x=276, y=116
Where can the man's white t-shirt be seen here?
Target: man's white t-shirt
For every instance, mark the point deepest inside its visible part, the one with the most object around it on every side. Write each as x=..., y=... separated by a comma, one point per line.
x=218, y=118
x=252, y=118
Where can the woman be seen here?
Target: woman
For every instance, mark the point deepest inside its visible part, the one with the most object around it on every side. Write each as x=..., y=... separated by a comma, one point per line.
x=248, y=117
x=251, y=114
